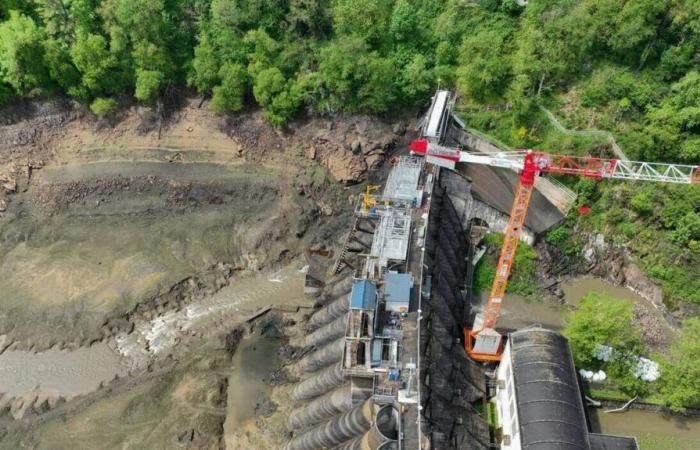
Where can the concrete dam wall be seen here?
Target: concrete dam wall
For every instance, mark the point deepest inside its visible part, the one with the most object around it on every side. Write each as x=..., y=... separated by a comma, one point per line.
x=344, y=402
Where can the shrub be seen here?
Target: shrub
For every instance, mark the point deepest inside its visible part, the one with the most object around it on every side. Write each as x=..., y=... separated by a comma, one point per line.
x=102, y=107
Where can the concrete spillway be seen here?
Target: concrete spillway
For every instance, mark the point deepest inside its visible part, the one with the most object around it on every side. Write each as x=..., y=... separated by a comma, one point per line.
x=327, y=406
x=327, y=332
x=351, y=424
x=323, y=357
x=323, y=381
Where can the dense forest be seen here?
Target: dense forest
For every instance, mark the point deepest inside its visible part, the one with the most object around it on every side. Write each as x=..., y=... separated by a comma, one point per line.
x=631, y=67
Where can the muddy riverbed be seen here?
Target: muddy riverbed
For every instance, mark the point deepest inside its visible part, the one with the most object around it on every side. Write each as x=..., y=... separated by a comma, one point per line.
x=58, y=373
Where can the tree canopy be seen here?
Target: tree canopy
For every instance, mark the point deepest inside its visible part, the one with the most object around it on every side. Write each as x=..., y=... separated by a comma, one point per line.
x=601, y=320
x=679, y=384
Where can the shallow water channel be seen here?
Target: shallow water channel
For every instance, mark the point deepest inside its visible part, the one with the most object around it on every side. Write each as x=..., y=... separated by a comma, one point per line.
x=653, y=431
x=255, y=359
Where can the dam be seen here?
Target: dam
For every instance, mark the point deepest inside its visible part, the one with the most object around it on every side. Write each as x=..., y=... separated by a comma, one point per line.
x=387, y=366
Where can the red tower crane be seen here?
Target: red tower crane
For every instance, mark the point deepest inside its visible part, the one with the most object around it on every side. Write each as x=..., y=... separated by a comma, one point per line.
x=482, y=342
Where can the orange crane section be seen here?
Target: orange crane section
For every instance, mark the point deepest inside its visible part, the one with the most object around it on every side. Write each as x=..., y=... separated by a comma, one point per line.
x=482, y=342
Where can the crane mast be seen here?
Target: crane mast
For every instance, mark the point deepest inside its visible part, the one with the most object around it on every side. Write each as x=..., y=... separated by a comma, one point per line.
x=482, y=341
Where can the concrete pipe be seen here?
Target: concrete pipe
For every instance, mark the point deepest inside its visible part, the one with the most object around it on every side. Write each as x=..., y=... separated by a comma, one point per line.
x=385, y=427
x=353, y=444
x=327, y=333
x=364, y=443
x=331, y=312
x=342, y=287
x=327, y=379
x=336, y=431
x=327, y=406
x=322, y=357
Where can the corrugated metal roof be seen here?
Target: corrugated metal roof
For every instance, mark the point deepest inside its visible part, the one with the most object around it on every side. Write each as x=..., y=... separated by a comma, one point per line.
x=550, y=409
x=363, y=295
x=397, y=287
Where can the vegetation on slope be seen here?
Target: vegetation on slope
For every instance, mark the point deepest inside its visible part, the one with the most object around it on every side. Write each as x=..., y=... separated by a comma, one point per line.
x=629, y=67
x=522, y=277
x=603, y=320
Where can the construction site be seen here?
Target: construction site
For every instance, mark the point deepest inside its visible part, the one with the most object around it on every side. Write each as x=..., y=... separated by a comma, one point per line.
x=198, y=289
x=402, y=357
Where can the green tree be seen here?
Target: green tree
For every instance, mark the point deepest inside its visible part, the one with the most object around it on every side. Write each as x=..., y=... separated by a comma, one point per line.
x=21, y=53
x=102, y=106
x=367, y=19
x=97, y=65
x=148, y=84
x=205, y=66
x=417, y=81
x=488, y=62
x=310, y=17
x=679, y=384
x=229, y=95
x=285, y=104
x=603, y=320
x=354, y=78
x=554, y=43
x=268, y=84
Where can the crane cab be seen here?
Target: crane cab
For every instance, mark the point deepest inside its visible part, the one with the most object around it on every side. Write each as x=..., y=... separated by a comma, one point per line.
x=485, y=345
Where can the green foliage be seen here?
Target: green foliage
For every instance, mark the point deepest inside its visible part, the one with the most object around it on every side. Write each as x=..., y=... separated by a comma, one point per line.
x=268, y=84
x=148, y=84
x=522, y=275
x=366, y=19
x=102, y=106
x=95, y=63
x=679, y=384
x=356, y=79
x=484, y=273
x=228, y=96
x=488, y=51
x=21, y=62
x=603, y=320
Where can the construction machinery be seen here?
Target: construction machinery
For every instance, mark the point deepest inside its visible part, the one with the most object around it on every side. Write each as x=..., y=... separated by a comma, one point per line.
x=482, y=341
x=369, y=200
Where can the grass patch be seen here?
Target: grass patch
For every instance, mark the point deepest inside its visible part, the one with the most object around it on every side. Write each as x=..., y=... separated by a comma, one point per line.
x=506, y=130
x=522, y=277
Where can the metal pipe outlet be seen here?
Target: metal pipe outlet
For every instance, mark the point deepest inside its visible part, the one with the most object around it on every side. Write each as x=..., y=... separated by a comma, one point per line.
x=331, y=312
x=325, y=380
x=336, y=431
x=327, y=406
x=328, y=332
x=322, y=357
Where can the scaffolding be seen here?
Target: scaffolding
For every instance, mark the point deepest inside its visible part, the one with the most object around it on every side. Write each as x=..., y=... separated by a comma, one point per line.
x=391, y=239
x=402, y=184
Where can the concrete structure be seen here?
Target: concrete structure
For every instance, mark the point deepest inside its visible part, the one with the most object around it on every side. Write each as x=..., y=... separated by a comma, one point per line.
x=438, y=117
x=386, y=367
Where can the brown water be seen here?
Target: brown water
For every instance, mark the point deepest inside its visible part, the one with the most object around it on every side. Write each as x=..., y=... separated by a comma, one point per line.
x=518, y=311
x=653, y=431
x=254, y=361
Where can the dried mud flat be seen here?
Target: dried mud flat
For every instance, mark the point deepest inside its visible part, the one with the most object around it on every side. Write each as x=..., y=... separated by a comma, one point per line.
x=128, y=251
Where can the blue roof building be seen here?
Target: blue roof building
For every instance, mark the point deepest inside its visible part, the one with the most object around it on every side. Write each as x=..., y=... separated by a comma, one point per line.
x=363, y=295
x=397, y=291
